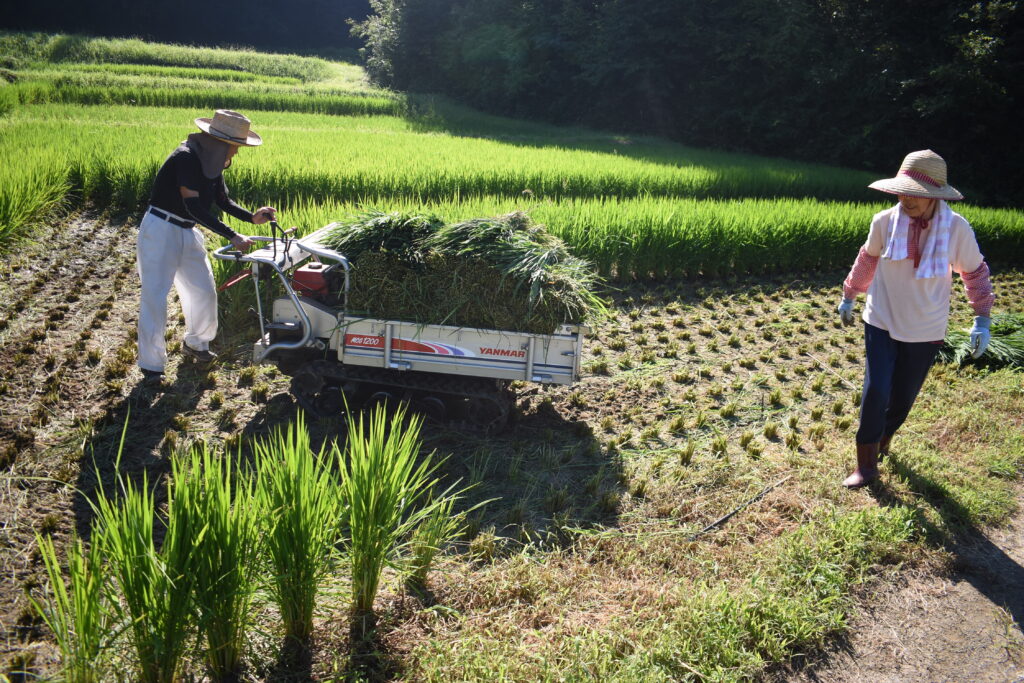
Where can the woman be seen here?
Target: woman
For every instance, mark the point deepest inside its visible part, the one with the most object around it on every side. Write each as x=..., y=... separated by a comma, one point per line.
x=171, y=249
x=906, y=267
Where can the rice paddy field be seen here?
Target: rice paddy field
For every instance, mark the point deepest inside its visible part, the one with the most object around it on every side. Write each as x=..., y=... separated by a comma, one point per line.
x=675, y=515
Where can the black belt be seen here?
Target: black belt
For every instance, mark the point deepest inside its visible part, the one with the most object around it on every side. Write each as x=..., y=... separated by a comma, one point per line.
x=171, y=218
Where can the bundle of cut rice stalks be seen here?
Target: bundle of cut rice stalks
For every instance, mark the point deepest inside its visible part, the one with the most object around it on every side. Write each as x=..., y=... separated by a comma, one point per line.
x=1006, y=347
x=502, y=273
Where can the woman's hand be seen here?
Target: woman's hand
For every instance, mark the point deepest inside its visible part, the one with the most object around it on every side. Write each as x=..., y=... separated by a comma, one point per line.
x=845, y=310
x=264, y=214
x=980, y=336
x=241, y=242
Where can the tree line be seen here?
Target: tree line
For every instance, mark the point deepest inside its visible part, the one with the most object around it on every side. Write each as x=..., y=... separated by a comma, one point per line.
x=857, y=83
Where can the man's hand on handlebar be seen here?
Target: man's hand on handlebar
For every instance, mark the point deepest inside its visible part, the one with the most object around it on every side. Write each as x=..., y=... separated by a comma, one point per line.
x=241, y=242
x=264, y=214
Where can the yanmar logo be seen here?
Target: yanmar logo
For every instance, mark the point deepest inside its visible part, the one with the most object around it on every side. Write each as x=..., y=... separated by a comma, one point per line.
x=506, y=353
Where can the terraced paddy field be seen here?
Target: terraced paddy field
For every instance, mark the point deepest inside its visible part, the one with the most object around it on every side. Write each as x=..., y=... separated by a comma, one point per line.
x=676, y=515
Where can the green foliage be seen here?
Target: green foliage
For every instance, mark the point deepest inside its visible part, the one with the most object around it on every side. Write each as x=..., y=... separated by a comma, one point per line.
x=402, y=236
x=387, y=489
x=155, y=585
x=224, y=555
x=743, y=74
x=153, y=72
x=31, y=185
x=75, y=48
x=1005, y=348
x=78, y=615
x=8, y=99
x=429, y=538
x=188, y=94
x=299, y=504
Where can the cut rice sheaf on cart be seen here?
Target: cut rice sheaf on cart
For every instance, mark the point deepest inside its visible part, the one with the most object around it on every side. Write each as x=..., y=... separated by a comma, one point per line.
x=503, y=272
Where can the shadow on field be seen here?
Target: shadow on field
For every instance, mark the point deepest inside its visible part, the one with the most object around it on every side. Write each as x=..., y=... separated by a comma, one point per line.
x=979, y=561
x=545, y=472
x=725, y=174
x=143, y=417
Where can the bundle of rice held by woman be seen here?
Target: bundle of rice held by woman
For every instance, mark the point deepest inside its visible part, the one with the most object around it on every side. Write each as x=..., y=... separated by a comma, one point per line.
x=502, y=273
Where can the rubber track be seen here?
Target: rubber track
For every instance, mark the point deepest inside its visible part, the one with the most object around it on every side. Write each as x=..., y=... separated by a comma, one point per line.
x=315, y=375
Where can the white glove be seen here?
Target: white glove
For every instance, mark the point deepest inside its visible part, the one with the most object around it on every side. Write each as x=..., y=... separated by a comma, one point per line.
x=845, y=310
x=980, y=336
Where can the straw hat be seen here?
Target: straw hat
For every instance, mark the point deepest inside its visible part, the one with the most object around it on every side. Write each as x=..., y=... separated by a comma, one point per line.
x=922, y=174
x=231, y=127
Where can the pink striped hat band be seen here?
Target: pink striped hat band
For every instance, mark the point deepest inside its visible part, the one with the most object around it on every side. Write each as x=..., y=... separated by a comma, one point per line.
x=921, y=177
x=922, y=174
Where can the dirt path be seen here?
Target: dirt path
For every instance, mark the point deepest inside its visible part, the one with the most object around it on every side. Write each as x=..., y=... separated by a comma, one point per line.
x=965, y=627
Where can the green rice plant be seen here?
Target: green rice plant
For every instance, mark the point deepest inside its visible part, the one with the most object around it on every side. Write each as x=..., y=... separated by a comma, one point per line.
x=530, y=256
x=159, y=73
x=79, y=615
x=388, y=496
x=223, y=556
x=1005, y=348
x=155, y=586
x=32, y=186
x=429, y=538
x=191, y=94
x=657, y=212
x=74, y=48
x=8, y=100
x=299, y=502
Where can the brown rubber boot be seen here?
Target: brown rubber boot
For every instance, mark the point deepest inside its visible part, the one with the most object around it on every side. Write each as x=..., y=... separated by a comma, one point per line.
x=883, y=447
x=867, y=466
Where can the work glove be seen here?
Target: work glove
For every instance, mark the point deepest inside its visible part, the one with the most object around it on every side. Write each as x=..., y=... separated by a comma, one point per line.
x=980, y=336
x=845, y=310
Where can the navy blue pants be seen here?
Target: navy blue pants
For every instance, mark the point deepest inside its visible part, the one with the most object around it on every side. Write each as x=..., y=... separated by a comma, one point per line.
x=893, y=374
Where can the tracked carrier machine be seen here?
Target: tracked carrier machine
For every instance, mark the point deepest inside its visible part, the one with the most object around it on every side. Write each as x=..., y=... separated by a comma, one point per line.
x=336, y=358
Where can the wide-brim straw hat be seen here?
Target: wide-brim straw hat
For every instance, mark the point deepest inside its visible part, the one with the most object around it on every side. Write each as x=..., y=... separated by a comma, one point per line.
x=231, y=127
x=922, y=174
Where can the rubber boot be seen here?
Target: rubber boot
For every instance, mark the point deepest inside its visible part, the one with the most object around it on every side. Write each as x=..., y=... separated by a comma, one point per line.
x=883, y=447
x=867, y=466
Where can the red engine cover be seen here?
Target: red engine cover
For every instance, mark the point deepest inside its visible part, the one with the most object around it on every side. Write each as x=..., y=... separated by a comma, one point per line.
x=308, y=280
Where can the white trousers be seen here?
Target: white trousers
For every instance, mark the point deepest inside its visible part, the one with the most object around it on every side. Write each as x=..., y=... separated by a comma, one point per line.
x=168, y=254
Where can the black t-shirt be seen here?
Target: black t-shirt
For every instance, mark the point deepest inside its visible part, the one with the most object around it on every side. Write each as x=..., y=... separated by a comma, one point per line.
x=183, y=169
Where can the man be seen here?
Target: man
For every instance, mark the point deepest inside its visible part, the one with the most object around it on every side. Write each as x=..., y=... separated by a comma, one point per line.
x=171, y=248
